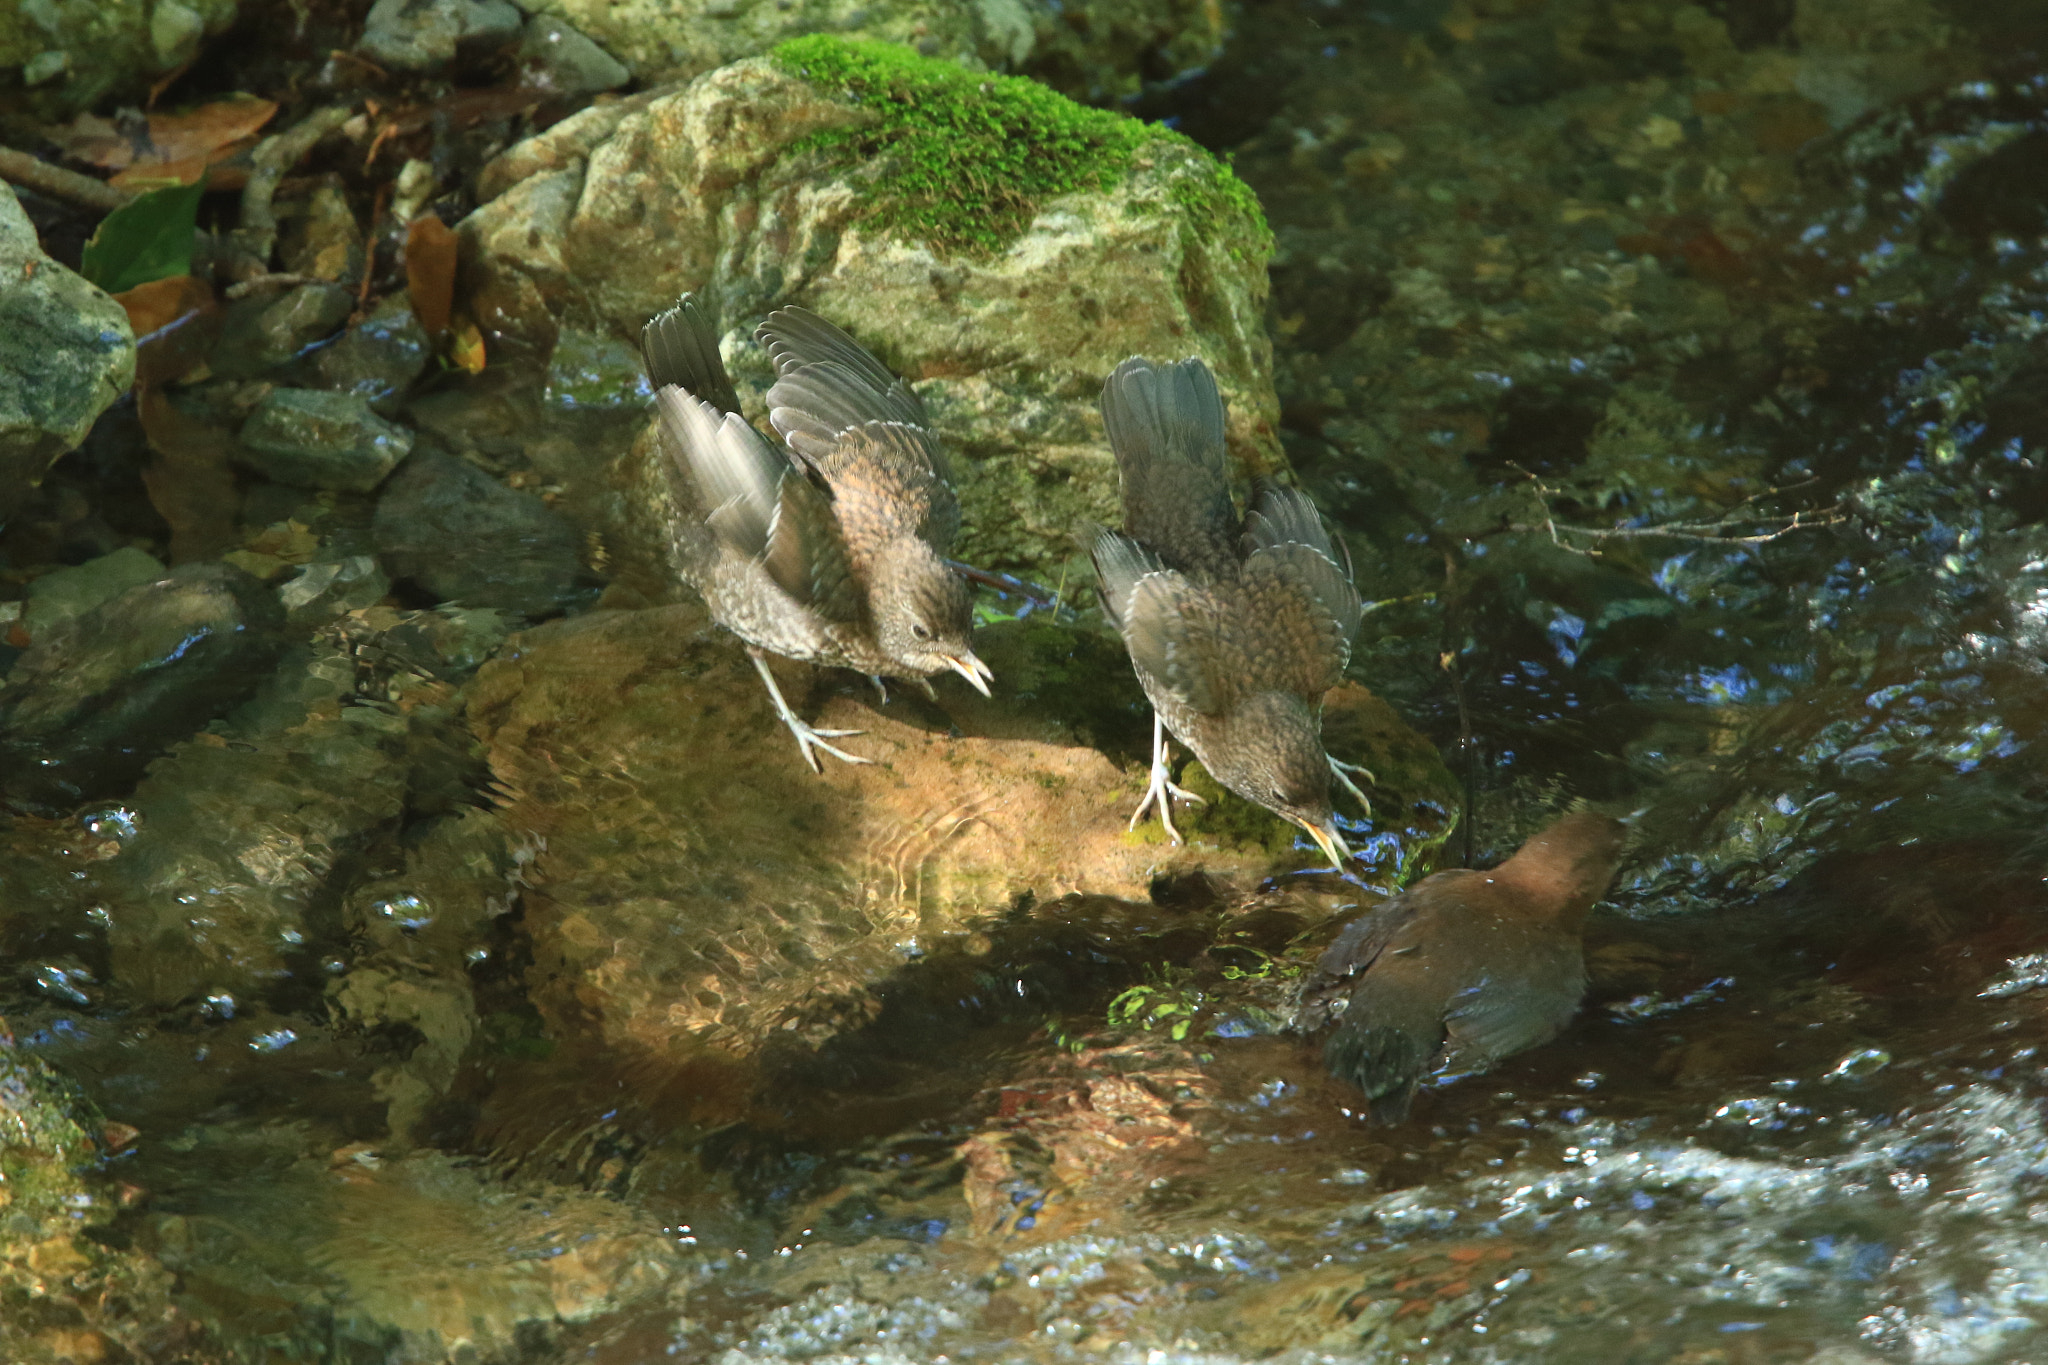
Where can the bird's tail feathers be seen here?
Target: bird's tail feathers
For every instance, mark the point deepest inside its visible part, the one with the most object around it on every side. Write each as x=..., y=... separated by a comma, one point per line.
x=1386, y=1063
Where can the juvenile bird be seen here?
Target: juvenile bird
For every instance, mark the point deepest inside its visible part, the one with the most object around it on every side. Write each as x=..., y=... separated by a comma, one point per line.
x=831, y=551
x=1236, y=628
x=1464, y=967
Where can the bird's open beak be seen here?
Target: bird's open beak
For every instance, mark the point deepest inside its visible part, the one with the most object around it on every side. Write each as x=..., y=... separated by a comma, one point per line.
x=1329, y=840
x=974, y=670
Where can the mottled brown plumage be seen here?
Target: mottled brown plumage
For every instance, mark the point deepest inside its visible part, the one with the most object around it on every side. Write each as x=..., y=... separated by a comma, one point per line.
x=1236, y=629
x=833, y=550
x=1464, y=967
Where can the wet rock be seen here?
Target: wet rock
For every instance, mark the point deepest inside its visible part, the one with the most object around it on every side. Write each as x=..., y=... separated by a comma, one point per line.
x=321, y=238
x=461, y=536
x=1091, y=49
x=423, y=35
x=66, y=352
x=70, y=56
x=68, y=1296
x=423, y=1257
x=319, y=439
x=64, y=593
x=1007, y=336
x=243, y=836
x=590, y=371
x=330, y=588
x=701, y=890
x=452, y=642
x=422, y=932
x=555, y=56
x=260, y=333
x=95, y=698
x=377, y=359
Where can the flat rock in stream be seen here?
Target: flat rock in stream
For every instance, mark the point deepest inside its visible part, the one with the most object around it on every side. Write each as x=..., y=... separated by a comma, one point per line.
x=98, y=696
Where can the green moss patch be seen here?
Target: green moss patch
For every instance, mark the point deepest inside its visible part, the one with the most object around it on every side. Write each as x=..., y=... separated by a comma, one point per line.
x=971, y=157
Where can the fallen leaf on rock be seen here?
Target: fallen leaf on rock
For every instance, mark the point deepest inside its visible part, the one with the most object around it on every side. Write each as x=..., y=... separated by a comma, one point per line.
x=430, y=272
x=95, y=141
x=182, y=146
x=148, y=238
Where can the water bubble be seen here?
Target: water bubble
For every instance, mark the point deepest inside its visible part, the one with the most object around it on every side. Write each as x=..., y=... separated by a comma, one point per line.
x=1864, y=1061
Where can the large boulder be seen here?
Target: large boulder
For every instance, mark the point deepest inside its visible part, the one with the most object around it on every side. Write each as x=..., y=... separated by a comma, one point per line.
x=1000, y=246
x=699, y=893
x=66, y=352
x=1091, y=49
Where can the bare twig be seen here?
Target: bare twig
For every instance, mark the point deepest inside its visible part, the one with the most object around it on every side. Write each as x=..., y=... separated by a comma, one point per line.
x=1037, y=593
x=58, y=183
x=273, y=156
x=273, y=280
x=1708, y=532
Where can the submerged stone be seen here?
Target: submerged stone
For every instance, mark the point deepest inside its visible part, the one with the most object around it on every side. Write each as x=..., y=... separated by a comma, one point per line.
x=377, y=359
x=463, y=537
x=322, y=440
x=95, y=698
x=329, y=588
x=64, y=593
x=258, y=334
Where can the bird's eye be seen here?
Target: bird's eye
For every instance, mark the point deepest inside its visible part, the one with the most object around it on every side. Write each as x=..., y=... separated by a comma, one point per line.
x=917, y=629
x=1279, y=797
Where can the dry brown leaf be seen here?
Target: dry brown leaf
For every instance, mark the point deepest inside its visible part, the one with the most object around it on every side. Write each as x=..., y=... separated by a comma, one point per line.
x=182, y=146
x=430, y=272
x=94, y=140
x=190, y=483
x=175, y=321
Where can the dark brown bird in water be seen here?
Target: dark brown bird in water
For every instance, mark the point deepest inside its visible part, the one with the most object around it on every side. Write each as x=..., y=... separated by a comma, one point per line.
x=832, y=551
x=1236, y=628
x=1464, y=967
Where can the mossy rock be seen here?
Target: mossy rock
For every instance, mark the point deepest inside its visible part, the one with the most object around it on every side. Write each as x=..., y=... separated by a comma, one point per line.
x=1001, y=247
x=964, y=161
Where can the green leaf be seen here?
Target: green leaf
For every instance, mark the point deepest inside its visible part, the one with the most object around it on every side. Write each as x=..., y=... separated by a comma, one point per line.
x=147, y=238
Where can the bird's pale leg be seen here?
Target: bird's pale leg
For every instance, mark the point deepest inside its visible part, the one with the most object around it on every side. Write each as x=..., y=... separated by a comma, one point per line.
x=1342, y=771
x=880, y=686
x=807, y=738
x=1160, y=790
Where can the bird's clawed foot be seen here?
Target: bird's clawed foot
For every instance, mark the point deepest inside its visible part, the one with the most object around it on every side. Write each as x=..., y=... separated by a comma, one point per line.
x=1161, y=791
x=1342, y=772
x=810, y=741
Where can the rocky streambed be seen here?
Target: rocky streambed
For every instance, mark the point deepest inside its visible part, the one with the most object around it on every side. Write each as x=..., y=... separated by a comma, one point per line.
x=419, y=941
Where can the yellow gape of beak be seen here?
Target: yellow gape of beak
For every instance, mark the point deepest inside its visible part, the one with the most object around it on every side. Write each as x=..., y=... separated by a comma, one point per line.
x=974, y=670
x=1329, y=841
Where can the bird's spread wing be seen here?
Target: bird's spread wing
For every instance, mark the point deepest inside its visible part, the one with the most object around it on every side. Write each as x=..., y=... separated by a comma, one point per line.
x=862, y=428
x=1487, y=1025
x=680, y=347
x=759, y=505
x=1292, y=569
x=1165, y=424
x=797, y=337
x=1167, y=622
